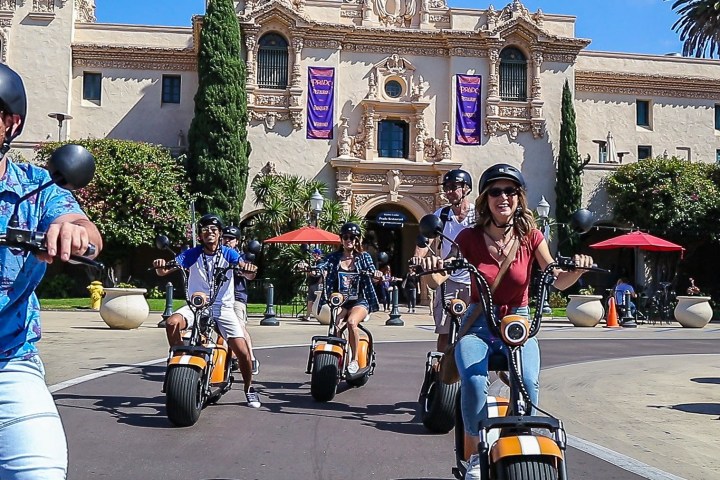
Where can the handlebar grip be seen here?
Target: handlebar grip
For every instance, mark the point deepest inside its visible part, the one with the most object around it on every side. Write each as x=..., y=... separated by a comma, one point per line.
x=91, y=249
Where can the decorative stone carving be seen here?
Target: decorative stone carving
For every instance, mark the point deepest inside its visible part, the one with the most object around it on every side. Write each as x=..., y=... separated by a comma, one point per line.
x=420, y=180
x=85, y=11
x=134, y=58
x=646, y=84
x=297, y=119
x=298, y=5
x=445, y=145
x=344, y=143
x=399, y=49
x=512, y=129
x=3, y=45
x=397, y=13
x=420, y=89
x=514, y=112
x=350, y=13
x=361, y=199
x=272, y=100
x=438, y=3
x=325, y=43
x=344, y=175
x=440, y=18
x=372, y=86
x=373, y=178
x=343, y=193
x=43, y=6
x=270, y=118
x=8, y=5
x=394, y=180
x=428, y=200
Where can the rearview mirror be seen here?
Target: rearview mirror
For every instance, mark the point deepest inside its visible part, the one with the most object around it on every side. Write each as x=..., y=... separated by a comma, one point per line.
x=430, y=226
x=253, y=247
x=383, y=258
x=422, y=241
x=162, y=242
x=71, y=166
x=582, y=221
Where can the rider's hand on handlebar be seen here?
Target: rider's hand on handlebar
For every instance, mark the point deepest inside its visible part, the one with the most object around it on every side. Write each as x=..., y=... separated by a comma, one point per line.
x=64, y=239
x=583, y=261
x=246, y=267
x=431, y=262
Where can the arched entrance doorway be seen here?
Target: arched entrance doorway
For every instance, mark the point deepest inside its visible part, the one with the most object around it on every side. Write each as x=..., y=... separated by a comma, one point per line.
x=392, y=228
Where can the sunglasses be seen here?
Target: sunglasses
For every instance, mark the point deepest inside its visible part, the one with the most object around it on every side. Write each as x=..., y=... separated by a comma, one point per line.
x=507, y=191
x=348, y=237
x=451, y=188
x=209, y=230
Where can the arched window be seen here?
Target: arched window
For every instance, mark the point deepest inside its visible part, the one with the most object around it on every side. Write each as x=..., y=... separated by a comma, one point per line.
x=513, y=75
x=393, y=139
x=272, y=62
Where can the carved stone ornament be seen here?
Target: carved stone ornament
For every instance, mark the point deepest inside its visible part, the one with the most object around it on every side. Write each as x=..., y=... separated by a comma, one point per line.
x=512, y=129
x=343, y=193
x=85, y=11
x=3, y=45
x=270, y=118
x=43, y=6
x=8, y=5
x=511, y=13
x=398, y=13
x=344, y=143
x=394, y=180
x=361, y=199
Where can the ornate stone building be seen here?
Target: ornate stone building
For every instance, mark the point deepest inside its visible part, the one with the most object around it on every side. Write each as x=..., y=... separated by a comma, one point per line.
x=396, y=64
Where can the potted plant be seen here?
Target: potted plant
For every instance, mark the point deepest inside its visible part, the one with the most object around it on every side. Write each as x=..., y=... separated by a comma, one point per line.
x=124, y=306
x=585, y=309
x=693, y=310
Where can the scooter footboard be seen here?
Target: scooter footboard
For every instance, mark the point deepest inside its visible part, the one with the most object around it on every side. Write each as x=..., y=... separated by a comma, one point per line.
x=319, y=343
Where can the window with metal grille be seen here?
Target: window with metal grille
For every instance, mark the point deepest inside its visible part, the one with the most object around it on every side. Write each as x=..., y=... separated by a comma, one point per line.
x=393, y=139
x=272, y=62
x=513, y=75
x=92, y=87
x=171, y=89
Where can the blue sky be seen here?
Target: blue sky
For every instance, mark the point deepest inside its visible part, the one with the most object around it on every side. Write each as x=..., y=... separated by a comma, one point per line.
x=634, y=26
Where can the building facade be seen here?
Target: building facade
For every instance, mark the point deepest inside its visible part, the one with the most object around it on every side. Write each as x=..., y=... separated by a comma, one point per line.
x=395, y=122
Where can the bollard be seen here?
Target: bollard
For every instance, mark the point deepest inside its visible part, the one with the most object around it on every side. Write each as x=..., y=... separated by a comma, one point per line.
x=269, y=318
x=394, y=320
x=628, y=321
x=168, y=305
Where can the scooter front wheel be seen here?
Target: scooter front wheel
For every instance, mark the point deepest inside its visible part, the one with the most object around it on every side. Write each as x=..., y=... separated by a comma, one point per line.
x=183, y=397
x=324, y=379
x=527, y=467
x=438, y=408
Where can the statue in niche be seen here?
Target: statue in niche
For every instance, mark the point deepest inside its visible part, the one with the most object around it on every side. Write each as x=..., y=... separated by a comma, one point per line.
x=394, y=179
x=372, y=86
x=344, y=143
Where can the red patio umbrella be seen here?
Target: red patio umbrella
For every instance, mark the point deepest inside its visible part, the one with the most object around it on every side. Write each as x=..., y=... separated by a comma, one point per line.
x=307, y=234
x=640, y=240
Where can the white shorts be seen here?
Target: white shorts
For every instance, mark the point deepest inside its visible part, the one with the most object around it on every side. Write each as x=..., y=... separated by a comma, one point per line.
x=241, y=311
x=227, y=322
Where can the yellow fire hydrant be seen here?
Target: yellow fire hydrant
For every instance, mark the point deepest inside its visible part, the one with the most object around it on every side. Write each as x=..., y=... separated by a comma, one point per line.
x=96, y=294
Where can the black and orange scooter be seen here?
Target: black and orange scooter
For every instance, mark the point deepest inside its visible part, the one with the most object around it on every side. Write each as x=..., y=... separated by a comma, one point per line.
x=198, y=371
x=511, y=446
x=330, y=354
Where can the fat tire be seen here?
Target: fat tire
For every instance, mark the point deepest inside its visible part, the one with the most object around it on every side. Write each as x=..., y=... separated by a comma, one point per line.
x=183, y=400
x=324, y=378
x=527, y=467
x=438, y=409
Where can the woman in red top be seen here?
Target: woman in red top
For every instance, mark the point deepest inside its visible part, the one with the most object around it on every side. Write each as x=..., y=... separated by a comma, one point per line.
x=502, y=218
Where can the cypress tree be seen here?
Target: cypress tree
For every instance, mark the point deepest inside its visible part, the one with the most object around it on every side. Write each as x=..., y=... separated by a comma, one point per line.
x=218, y=147
x=568, y=186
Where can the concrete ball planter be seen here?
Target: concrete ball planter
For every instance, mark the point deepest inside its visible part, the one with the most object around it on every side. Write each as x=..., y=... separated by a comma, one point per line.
x=585, y=310
x=124, y=308
x=693, y=311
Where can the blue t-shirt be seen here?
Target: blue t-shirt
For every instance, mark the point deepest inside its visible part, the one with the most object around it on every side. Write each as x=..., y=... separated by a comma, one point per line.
x=620, y=292
x=21, y=272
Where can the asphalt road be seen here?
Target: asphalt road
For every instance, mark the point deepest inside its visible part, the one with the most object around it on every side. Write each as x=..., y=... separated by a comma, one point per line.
x=117, y=428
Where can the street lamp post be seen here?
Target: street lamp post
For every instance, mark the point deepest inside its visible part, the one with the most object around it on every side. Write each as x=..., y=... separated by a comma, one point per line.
x=60, y=117
x=543, y=211
x=316, y=206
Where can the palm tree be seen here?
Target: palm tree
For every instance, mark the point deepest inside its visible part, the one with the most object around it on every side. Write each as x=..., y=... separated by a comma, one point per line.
x=698, y=26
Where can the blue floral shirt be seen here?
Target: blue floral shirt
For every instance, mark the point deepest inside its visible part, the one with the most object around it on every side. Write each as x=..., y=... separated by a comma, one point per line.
x=21, y=272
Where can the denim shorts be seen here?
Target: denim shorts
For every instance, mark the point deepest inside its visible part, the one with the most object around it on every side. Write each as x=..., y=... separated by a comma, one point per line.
x=32, y=439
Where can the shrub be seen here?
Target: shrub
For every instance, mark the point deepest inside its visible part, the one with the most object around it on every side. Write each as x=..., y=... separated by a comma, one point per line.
x=56, y=286
x=557, y=300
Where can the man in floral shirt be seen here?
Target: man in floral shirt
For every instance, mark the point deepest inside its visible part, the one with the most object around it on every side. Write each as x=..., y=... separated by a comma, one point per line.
x=32, y=440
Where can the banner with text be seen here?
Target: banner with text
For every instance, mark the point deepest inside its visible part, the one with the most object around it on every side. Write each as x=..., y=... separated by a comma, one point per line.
x=321, y=85
x=467, y=114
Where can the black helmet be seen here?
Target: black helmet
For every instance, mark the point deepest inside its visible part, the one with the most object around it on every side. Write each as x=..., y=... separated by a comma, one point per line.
x=210, y=219
x=12, y=95
x=458, y=176
x=501, y=171
x=232, y=231
x=350, y=228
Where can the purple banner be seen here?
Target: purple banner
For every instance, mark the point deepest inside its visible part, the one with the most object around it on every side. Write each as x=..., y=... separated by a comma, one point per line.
x=467, y=112
x=321, y=85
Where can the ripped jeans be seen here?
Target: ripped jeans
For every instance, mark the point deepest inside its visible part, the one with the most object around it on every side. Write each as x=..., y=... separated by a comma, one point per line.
x=32, y=439
x=472, y=353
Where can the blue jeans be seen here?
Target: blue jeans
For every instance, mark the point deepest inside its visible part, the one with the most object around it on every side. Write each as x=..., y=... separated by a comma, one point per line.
x=32, y=440
x=472, y=353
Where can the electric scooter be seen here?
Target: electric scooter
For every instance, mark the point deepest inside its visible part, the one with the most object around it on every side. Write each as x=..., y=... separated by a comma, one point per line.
x=437, y=399
x=330, y=354
x=198, y=371
x=510, y=445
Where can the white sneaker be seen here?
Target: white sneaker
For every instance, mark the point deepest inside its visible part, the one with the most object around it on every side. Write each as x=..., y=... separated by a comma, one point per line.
x=253, y=399
x=255, y=366
x=473, y=468
x=353, y=367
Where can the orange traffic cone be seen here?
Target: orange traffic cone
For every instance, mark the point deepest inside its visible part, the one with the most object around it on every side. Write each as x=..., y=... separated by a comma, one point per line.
x=612, y=318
